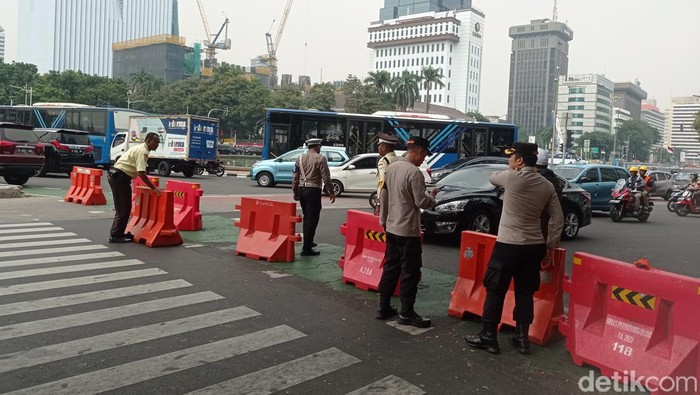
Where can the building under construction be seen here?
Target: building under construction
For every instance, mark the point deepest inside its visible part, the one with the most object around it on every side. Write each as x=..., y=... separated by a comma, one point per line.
x=164, y=56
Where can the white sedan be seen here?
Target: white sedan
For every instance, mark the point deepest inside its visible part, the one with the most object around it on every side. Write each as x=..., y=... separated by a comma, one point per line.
x=359, y=174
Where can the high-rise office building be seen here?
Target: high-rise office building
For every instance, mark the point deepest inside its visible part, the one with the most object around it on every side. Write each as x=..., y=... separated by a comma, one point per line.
x=679, y=126
x=629, y=95
x=585, y=104
x=539, y=55
x=162, y=56
x=393, y=9
x=78, y=34
x=450, y=41
x=654, y=117
x=2, y=44
x=286, y=80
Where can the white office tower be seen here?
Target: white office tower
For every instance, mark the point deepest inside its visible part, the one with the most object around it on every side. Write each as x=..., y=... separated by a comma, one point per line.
x=447, y=40
x=679, y=125
x=585, y=104
x=78, y=34
x=2, y=44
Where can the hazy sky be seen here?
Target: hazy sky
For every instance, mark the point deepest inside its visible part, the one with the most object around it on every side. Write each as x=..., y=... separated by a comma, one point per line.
x=657, y=42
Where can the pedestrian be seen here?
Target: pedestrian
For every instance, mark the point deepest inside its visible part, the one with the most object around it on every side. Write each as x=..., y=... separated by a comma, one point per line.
x=402, y=197
x=387, y=156
x=131, y=165
x=520, y=247
x=311, y=175
x=549, y=175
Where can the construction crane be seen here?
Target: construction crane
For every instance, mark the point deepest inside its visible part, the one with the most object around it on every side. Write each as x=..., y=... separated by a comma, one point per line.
x=212, y=43
x=273, y=45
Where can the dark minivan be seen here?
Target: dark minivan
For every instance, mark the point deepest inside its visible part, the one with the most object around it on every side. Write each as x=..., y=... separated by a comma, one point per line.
x=65, y=148
x=21, y=153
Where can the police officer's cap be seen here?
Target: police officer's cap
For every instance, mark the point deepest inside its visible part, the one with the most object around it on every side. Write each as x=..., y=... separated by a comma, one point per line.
x=387, y=139
x=314, y=141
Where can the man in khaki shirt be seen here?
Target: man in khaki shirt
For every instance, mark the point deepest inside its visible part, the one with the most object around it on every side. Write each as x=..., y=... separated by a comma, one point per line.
x=387, y=156
x=520, y=247
x=401, y=199
x=131, y=165
x=311, y=174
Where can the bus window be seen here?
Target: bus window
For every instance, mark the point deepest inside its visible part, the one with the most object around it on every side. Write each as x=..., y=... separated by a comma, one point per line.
x=333, y=133
x=372, y=136
x=49, y=116
x=72, y=119
x=355, y=141
x=86, y=121
x=99, y=123
x=500, y=139
x=309, y=129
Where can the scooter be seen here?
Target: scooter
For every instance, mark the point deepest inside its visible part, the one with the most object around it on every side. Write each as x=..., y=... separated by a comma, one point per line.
x=686, y=205
x=622, y=204
x=675, y=197
x=212, y=167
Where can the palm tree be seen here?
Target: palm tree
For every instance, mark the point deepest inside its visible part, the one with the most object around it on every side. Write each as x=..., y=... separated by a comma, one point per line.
x=380, y=79
x=406, y=89
x=431, y=76
x=144, y=83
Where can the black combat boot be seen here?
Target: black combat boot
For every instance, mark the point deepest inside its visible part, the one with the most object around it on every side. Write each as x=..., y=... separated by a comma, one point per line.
x=519, y=339
x=486, y=339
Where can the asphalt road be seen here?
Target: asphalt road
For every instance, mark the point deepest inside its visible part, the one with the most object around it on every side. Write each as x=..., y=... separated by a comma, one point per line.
x=80, y=315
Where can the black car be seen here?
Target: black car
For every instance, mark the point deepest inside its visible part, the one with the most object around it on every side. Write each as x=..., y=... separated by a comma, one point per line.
x=65, y=148
x=440, y=172
x=21, y=153
x=468, y=201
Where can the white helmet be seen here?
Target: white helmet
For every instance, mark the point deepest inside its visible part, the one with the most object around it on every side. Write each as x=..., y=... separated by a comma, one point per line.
x=542, y=157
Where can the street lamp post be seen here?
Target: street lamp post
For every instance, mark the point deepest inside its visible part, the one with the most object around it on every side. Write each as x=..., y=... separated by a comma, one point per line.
x=129, y=102
x=27, y=90
x=225, y=111
x=617, y=129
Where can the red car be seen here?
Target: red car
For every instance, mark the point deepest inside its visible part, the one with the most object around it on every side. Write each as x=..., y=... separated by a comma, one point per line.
x=21, y=153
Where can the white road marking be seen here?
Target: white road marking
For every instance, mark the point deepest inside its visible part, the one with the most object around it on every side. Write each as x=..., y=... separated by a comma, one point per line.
x=390, y=385
x=56, y=259
x=71, y=282
x=411, y=330
x=91, y=317
x=284, y=375
x=68, y=269
x=95, y=212
x=88, y=297
x=192, y=245
x=29, y=230
x=109, y=341
x=43, y=243
x=25, y=224
x=274, y=274
x=56, y=250
x=177, y=361
x=34, y=237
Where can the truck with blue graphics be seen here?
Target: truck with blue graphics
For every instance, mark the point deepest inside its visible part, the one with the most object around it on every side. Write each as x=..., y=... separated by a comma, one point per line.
x=185, y=141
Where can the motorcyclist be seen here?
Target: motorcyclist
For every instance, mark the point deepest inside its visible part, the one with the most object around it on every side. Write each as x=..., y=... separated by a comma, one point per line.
x=694, y=185
x=635, y=183
x=649, y=185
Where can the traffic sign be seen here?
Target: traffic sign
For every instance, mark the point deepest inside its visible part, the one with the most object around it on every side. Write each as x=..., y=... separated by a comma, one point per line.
x=594, y=150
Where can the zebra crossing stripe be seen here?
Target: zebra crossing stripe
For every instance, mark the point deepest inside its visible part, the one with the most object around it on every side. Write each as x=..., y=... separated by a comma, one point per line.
x=284, y=375
x=39, y=236
x=26, y=224
x=43, y=243
x=68, y=269
x=56, y=250
x=154, y=367
x=113, y=313
x=88, y=297
x=389, y=385
x=127, y=337
x=28, y=230
x=57, y=259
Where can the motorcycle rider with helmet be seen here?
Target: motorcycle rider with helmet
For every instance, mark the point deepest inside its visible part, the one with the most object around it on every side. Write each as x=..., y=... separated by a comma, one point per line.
x=635, y=183
x=649, y=185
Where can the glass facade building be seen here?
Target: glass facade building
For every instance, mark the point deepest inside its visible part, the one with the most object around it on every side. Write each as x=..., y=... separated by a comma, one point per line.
x=78, y=34
x=394, y=9
x=2, y=44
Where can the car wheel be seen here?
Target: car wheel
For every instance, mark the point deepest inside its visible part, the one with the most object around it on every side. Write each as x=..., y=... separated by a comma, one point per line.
x=16, y=180
x=482, y=222
x=337, y=187
x=571, y=224
x=265, y=179
x=164, y=169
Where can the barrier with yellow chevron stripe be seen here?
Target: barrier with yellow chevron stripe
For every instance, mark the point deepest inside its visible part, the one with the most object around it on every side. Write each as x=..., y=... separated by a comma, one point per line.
x=376, y=236
x=634, y=298
x=186, y=196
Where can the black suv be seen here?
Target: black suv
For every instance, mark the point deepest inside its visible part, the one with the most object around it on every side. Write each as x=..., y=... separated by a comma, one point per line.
x=21, y=153
x=65, y=148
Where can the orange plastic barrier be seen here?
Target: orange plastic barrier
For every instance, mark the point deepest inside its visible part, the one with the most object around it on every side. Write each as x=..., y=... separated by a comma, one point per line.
x=152, y=219
x=469, y=293
x=267, y=229
x=86, y=187
x=365, y=245
x=137, y=182
x=187, y=197
x=623, y=318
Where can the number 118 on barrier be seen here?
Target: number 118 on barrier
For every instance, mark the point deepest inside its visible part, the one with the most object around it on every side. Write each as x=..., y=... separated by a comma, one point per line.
x=623, y=349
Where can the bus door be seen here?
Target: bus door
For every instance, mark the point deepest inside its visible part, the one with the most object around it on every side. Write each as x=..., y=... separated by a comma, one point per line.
x=474, y=142
x=362, y=137
x=279, y=141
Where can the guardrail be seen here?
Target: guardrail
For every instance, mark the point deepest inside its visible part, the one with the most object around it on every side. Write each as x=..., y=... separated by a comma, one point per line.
x=238, y=160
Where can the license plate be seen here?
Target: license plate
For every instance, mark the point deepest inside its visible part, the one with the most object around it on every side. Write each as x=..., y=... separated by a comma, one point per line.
x=614, y=201
x=76, y=151
x=24, y=150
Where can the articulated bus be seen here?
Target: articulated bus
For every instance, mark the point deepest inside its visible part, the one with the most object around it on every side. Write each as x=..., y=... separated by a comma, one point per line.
x=102, y=123
x=286, y=130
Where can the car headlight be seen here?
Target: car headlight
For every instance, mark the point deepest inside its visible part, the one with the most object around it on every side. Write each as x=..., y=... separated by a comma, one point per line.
x=256, y=164
x=457, y=205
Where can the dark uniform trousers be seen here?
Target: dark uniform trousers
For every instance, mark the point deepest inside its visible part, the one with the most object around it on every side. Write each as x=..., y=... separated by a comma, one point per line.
x=310, y=200
x=121, y=192
x=402, y=259
x=520, y=263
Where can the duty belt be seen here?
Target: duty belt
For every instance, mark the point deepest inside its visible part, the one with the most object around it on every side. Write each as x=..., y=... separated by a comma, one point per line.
x=310, y=185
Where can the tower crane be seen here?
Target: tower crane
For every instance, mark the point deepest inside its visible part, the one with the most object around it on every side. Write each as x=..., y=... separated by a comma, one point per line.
x=273, y=45
x=212, y=43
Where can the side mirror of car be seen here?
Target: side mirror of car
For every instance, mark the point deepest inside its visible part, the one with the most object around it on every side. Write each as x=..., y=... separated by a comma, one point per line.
x=350, y=167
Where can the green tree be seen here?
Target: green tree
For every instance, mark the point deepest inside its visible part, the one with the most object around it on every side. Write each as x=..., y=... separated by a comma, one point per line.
x=322, y=97
x=364, y=99
x=477, y=116
x=381, y=80
x=602, y=140
x=641, y=137
x=406, y=91
x=696, y=124
x=431, y=76
x=13, y=77
x=543, y=138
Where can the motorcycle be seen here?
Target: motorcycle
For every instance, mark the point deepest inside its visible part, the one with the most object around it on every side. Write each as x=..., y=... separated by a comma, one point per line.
x=686, y=205
x=622, y=204
x=374, y=200
x=212, y=167
x=675, y=197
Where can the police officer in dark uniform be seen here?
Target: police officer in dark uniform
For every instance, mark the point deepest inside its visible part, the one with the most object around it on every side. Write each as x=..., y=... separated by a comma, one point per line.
x=311, y=176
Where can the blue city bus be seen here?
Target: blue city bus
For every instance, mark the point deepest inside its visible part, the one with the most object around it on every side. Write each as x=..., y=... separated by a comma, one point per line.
x=286, y=130
x=102, y=123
